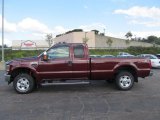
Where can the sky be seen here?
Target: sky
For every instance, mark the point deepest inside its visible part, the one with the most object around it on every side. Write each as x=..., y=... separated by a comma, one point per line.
x=33, y=19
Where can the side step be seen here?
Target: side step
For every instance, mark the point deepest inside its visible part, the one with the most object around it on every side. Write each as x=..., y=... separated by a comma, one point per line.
x=72, y=82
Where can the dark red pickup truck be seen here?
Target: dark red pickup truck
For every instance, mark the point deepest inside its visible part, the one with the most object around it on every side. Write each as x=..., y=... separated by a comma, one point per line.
x=65, y=62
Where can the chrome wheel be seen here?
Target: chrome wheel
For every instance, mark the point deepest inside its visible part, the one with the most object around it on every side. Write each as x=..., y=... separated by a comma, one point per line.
x=125, y=81
x=23, y=84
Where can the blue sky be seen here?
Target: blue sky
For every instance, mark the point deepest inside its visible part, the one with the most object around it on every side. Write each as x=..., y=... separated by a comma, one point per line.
x=33, y=19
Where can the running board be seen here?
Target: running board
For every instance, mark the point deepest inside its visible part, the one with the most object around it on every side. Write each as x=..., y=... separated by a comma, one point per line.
x=65, y=83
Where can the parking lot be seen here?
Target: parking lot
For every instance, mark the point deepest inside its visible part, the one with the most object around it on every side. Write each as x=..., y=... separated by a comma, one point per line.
x=96, y=101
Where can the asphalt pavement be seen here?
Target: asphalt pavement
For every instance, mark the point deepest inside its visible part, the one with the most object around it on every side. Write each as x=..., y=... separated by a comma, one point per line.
x=96, y=101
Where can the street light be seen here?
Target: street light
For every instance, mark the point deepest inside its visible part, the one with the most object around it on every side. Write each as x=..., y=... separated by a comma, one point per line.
x=2, y=30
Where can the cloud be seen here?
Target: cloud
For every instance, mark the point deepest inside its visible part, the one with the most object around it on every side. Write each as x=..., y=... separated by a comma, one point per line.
x=8, y=26
x=142, y=34
x=97, y=26
x=146, y=23
x=59, y=29
x=145, y=34
x=33, y=25
x=149, y=17
x=7, y=42
x=138, y=11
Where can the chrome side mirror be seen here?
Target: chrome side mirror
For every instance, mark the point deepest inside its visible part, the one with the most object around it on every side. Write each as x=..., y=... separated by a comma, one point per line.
x=45, y=56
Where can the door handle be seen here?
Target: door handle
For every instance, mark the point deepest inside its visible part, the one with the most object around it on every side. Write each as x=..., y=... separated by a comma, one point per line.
x=69, y=63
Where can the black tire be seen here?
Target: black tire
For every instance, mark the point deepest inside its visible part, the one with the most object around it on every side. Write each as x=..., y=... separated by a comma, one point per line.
x=23, y=83
x=124, y=80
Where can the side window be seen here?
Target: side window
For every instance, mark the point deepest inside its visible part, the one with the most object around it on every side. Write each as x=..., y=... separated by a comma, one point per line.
x=78, y=51
x=58, y=52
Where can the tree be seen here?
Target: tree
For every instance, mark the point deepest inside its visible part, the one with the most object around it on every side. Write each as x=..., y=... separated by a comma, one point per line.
x=5, y=46
x=152, y=39
x=49, y=39
x=109, y=42
x=127, y=42
x=129, y=35
x=85, y=40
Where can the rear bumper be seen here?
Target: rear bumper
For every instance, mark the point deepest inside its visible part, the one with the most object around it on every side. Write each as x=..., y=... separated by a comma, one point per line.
x=7, y=78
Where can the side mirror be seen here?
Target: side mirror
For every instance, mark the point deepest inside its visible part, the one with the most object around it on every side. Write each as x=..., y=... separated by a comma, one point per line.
x=45, y=56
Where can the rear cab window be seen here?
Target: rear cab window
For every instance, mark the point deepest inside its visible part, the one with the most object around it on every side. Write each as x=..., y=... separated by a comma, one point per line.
x=78, y=51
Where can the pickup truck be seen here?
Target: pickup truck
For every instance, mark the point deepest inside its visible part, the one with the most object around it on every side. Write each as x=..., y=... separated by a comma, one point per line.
x=65, y=62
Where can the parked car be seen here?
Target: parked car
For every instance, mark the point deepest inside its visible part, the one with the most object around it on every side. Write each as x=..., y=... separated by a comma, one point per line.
x=67, y=63
x=124, y=54
x=155, y=61
x=95, y=56
x=158, y=55
x=107, y=56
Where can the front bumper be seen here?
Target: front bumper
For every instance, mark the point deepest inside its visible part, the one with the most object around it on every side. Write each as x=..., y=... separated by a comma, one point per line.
x=7, y=78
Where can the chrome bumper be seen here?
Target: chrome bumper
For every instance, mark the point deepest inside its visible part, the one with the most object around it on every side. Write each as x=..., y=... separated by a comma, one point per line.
x=7, y=78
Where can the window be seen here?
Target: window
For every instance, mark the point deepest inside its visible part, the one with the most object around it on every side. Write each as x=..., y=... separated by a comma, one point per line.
x=58, y=52
x=78, y=51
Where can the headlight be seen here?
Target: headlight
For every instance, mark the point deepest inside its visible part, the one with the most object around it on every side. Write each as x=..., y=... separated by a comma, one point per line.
x=7, y=68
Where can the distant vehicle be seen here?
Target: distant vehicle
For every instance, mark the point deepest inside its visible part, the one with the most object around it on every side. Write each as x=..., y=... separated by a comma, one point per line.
x=124, y=54
x=95, y=56
x=107, y=56
x=158, y=55
x=155, y=61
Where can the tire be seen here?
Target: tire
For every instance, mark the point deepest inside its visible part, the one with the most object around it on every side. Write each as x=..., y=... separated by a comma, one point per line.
x=23, y=83
x=124, y=80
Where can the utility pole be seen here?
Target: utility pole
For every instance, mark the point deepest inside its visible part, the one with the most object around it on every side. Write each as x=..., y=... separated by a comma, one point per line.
x=104, y=31
x=2, y=30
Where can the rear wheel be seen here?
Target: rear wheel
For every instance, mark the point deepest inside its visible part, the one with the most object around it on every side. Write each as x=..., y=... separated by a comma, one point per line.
x=23, y=83
x=124, y=80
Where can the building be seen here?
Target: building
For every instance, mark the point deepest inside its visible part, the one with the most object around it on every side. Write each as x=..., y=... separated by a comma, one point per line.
x=96, y=40
x=29, y=45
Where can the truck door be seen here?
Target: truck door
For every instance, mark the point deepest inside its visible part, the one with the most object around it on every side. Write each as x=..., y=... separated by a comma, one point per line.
x=80, y=62
x=59, y=64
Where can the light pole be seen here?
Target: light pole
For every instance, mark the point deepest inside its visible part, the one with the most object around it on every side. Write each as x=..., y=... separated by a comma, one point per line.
x=2, y=30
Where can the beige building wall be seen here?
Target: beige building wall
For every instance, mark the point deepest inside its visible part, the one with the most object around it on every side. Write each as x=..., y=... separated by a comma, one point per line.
x=68, y=38
x=100, y=41
x=77, y=37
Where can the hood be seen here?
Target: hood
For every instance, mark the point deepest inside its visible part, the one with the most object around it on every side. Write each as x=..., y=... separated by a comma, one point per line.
x=27, y=59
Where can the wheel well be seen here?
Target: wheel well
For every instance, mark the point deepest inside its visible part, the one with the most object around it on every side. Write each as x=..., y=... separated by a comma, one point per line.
x=130, y=69
x=22, y=70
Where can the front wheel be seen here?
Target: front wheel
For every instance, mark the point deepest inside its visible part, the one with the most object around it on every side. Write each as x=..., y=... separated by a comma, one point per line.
x=23, y=83
x=124, y=80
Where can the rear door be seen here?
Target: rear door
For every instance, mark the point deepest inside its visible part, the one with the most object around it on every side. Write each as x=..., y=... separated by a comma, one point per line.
x=80, y=62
